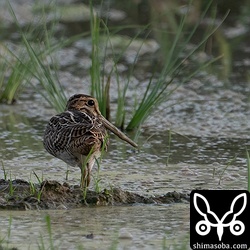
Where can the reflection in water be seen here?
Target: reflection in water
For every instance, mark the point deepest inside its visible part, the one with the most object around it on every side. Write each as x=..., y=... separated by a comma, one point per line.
x=162, y=165
x=20, y=135
x=159, y=166
x=182, y=164
x=139, y=227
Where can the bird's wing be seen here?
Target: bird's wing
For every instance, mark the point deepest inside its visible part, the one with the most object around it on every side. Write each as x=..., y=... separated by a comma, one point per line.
x=73, y=131
x=63, y=128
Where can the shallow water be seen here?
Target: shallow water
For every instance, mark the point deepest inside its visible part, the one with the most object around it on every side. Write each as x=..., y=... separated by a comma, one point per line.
x=209, y=138
x=131, y=227
x=185, y=163
x=159, y=166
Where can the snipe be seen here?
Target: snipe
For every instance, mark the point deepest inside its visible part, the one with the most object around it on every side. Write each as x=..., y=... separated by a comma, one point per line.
x=78, y=135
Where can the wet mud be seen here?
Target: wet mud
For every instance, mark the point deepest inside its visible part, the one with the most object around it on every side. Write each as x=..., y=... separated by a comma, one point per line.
x=22, y=195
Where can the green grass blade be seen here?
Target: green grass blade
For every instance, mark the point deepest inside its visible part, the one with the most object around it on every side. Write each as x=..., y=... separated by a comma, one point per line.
x=156, y=93
x=54, y=92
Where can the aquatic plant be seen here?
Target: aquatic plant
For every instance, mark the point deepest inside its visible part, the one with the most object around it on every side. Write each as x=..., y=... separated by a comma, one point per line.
x=41, y=245
x=97, y=178
x=35, y=65
x=157, y=91
x=11, y=86
x=158, y=88
x=54, y=93
x=40, y=180
x=33, y=188
x=67, y=173
x=14, y=64
x=99, y=88
x=48, y=223
x=101, y=36
x=4, y=241
x=11, y=191
x=5, y=173
x=229, y=163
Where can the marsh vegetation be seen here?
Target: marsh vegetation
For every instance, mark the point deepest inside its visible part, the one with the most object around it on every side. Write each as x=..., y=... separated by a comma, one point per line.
x=173, y=75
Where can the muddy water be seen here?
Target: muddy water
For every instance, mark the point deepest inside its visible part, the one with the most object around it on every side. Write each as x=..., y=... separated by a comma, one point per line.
x=132, y=227
x=183, y=163
x=209, y=136
x=209, y=157
x=158, y=167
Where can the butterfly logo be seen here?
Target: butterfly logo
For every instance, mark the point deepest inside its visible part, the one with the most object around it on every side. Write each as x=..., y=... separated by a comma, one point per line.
x=236, y=227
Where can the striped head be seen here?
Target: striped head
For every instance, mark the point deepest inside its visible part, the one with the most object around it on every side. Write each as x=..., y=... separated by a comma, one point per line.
x=88, y=104
x=84, y=103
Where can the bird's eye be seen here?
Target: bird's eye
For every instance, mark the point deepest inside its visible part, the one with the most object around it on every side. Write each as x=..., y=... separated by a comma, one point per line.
x=90, y=103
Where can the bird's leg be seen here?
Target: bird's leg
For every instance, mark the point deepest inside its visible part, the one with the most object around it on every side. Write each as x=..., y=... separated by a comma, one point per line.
x=85, y=176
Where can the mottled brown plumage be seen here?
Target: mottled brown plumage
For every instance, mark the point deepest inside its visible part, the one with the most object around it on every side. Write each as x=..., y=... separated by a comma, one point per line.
x=78, y=135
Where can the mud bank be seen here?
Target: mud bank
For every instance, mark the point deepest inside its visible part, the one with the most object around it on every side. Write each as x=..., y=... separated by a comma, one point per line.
x=22, y=195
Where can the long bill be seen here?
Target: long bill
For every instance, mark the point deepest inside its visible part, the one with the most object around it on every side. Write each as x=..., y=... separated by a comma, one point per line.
x=117, y=132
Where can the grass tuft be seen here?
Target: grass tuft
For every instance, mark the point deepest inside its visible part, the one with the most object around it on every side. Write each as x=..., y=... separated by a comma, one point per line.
x=158, y=91
x=5, y=173
x=36, y=66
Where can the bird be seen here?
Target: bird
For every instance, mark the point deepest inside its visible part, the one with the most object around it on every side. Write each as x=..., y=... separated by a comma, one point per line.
x=79, y=135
